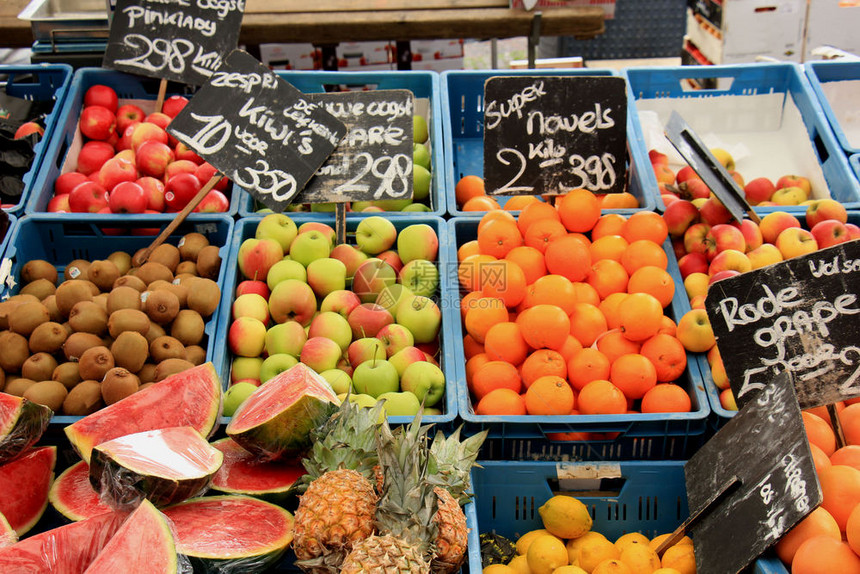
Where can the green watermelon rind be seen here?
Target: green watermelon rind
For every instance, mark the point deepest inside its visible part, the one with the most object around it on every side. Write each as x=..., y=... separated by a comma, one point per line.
x=278, y=495
x=8, y=536
x=37, y=515
x=83, y=439
x=58, y=490
x=24, y=425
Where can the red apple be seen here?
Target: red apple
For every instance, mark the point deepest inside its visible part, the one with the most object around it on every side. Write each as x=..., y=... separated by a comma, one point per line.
x=97, y=123
x=680, y=215
x=686, y=173
x=795, y=241
x=367, y=319
x=214, y=202
x=126, y=115
x=669, y=198
x=59, y=204
x=693, y=263
x=694, y=188
x=93, y=156
x=28, y=128
x=694, y=238
x=184, y=152
x=657, y=157
x=720, y=275
x=774, y=223
x=251, y=286
x=160, y=119
x=853, y=230
x=180, y=189
x=100, y=95
x=146, y=131
x=392, y=258
x=180, y=166
x=751, y=232
x=664, y=173
x=152, y=158
x=116, y=171
x=173, y=105
x=68, y=181
x=127, y=197
x=124, y=142
x=722, y=237
x=824, y=209
x=88, y=197
x=154, y=190
x=795, y=181
x=714, y=212
x=758, y=190
x=204, y=173
x=830, y=232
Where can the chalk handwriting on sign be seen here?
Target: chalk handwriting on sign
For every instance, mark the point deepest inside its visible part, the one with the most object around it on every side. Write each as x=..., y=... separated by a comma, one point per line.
x=180, y=40
x=258, y=130
x=374, y=160
x=801, y=316
x=551, y=134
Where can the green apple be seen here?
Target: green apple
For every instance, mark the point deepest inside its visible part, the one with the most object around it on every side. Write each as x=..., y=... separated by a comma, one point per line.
x=323, y=207
x=419, y=129
x=395, y=338
x=288, y=337
x=333, y=326
x=405, y=357
x=421, y=277
x=430, y=411
x=417, y=241
x=251, y=305
x=350, y=256
x=391, y=204
x=245, y=368
x=326, y=275
x=421, y=316
x=340, y=382
x=420, y=182
x=400, y=404
x=264, y=210
x=320, y=354
x=279, y=227
x=292, y=300
x=257, y=256
x=417, y=207
x=390, y=297
x=286, y=269
x=375, y=234
x=375, y=377
x=310, y=246
x=235, y=396
x=276, y=364
x=421, y=155
x=371, y=278
x=365, y=349
x=426, y=381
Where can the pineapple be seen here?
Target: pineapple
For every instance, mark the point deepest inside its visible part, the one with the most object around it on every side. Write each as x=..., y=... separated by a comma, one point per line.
x=338, y=505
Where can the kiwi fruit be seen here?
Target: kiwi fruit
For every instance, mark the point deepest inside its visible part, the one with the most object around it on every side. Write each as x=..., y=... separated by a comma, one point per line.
x=130, y=351
x=122, y=260
x=151, y=271
x=195, y=354
x=18, y=386
x=21, y=298
x=6, y=307
x=47, y=338
x=95, y=362
x=160, y=305
x=147, y=373
x=48, y=393
x=78, y=343
x=101, y=299
x=118, y=384
x=145, y=386
x=123, y=297
x=166, y=347
x=135, y=283
x=190, y=246
x=39, y=367
x=71, y=292
x=67, y=373
x=76, y=269
x=203, y=296
x=127, y=320
x=94, y=289
x=155, y=331
x=84, y=399
x=186, y=268
x=181, y=291
x=103, y=273
x=187, y=327
x=16, y=350
x=167, y=255
x=40, y=288
x=88, y=317
x=208, y=262
x=170, y=367
x=36, y=269
x=50, y=303
x=25, y=318
x=2, y=379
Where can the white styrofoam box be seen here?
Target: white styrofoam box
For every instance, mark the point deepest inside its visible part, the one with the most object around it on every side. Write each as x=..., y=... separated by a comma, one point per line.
x=367, y=67
x=291, y=56
x=843, y=97
x=549, y=63
x=440, y=65
x=363, y=53
x=833, y=23
x=435, y=49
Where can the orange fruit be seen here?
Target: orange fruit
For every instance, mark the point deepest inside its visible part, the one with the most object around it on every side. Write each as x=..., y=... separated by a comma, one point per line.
x=647, y=225
x=517, y=202
x=470, y=271
x=666, y=398
x=654, y=281
x=634, y=374
x=504, y=342
x=612, y=566
x=852, y=529
x=668, y=356
x=819, y=458
x=848, y=455
x=544, y=326
x=569, y=257
x=468, y=248
x=819, y=522
x=551, y=290
x=468, y=187
x=579, y=210
x=609, y=307
x=475, y=363
x=840, y=486
x=819, y=432
x=498, y=237
x=549, y=395
x=491, y=216
x=501, y=402
x=582, y=237
x=571, y=347
x=468, y=301
x=643, y=252
x=481, y=203
x=530, y=261
x=542, y=363
x=485, y=313
x=621, y=200
x=641, y=316
x=471, y=347
x=506, y=282
x=824, y=555
x=668, y=326
x=613, y=344
x=681, y=557
x=607, y=276
x=608, y=247
x=586, y=323
x=587, y=365
x=541, y=233
x=850, y=419
x=495, y=375
x=601, y=397
x=608, y=224
x=536, y=212
x=585, y=293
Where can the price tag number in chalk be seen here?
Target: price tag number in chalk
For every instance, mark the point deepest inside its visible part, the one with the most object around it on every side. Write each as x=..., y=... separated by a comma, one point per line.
x=156, y=55
x=595, y=173
x=280, y=185
x=392, y=171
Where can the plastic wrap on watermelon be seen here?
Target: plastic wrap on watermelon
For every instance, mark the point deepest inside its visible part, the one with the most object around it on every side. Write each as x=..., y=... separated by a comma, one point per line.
x=164, y=466
x=22, y=423
x=242, y=473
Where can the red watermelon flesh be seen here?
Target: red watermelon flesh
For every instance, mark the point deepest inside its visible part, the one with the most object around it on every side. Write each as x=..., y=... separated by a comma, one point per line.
x=74, y=497
x=24, y=486
x=190, y=398
x=8, y=536
x=22, y=422
x=144, y=544
x=68, y=549
x=242, y=473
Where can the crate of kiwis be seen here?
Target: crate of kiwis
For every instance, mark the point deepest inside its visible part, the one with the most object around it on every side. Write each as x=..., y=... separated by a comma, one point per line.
x=84, y=322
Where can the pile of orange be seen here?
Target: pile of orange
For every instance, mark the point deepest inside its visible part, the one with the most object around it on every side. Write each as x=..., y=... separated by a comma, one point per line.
x=563, y=312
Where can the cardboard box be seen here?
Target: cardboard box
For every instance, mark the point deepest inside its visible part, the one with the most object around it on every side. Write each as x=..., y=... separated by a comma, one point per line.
x=833, y=23
x=357, y=54
x=436, y=49
x=291, y=56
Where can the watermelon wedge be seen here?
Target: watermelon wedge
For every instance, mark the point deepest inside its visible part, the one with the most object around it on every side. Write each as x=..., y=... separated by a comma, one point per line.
x=165, y=466
x=276, y=420
x=231, y=533
x=73, y=496
x=22, y=422
x=242, y=473
x=68, y=549
x=24, y=486
x=144, y=544
x=190, y=398
x=8, y=536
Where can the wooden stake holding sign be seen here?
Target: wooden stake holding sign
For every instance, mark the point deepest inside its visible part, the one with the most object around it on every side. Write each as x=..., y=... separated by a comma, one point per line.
x=552, y=134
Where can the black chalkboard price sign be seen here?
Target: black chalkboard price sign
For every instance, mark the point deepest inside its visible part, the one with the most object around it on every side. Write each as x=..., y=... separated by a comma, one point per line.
x=374, y=160
x=800, y=316
x=752, y=482
x=180, y=40
x=258, y=130
x=551, y=134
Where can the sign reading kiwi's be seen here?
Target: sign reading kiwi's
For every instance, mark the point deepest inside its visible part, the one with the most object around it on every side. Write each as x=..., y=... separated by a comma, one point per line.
x=752, y=482
x=800, y=316
x=258, y=130
x=552, y=134
x=180, y=40
x=374, y=160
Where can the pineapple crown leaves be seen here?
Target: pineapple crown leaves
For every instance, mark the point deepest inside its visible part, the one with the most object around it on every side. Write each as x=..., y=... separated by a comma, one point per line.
x=452, y=460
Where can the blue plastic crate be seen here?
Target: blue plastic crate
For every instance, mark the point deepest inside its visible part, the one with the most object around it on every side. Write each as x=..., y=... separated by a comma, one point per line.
x=59, y=240
x=819, y=73
x=422, y=84
x=854, y=161
x=643, y=436
x=4, y=242
x=748, y=80
x=127, y=87
x=246, y=228
x=463, y=125
x=38, y=82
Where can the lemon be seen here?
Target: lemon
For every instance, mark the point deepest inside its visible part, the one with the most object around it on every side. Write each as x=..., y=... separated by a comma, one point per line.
x=574, y=545
x=565, y=517
x=526, y=539
x=596, y=551
x=611, y=566
x=681, y=558
x=640, y=559
x=498, y=569
x=658, y=540
x=665, y=571
x=520, y=565
x=569, y=570
x=631, y=538
x=545, y=554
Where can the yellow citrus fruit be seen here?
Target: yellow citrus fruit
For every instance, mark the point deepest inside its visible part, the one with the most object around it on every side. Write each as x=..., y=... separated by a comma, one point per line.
x=681, y=558
x=665, y=571
x=565, y=517
x=631, y=538
x=574, y=545
x=596, y=551
x=569, y=570
x=498, y=569
x=545, y=554
x=526, y=539
x=640, y=559
x=611, y=566
x=658, y=540
x=520, y=565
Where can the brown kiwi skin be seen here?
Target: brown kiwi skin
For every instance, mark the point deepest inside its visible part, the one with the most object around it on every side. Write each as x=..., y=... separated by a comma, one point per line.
x=203, y=296
x=195, y=354
x=190, y=246
x=161, y=306
x=123, y=297
x=130, y=281
x=152, y=271
x=170, y=367
x=155, y=331
x=181, y=291
x=167, y=255
x=101, y=300
x=130, y=351
x=103, y=273
x=84, y=399
x=16, y=350
x=188, y=327
x=186, y=267
x=118, y=384
x=76, y=269
x=18, y=386
x=50, y=303
x=41, y=288
x=25, y=318
x=47, y=338
x=147, y=373
x=36, y=269
x=127, y=320
x=209, y=262
x=68, y=374
x=166, y=347
x=78, y=343
x=39, y=367
x=122, y=260
x=88, y=317
x=70, y=292
x=48, y=393
x=95, y=362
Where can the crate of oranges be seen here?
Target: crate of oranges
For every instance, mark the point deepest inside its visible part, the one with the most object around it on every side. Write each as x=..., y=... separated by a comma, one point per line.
x=570, y=346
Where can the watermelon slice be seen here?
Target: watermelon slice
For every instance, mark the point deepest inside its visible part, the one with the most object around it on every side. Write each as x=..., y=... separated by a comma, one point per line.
x=242, y=473
x=143, y=544
x=68, y=549
x=8, y=536
x=276, y=420
x=190, y=398
x=165, y=466
x=231, y=533
x=22, y=422
x=24, y=486
x=74, y=497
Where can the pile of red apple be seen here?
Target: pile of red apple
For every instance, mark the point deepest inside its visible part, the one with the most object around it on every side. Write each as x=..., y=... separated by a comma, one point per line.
x=362, y=316
x=129, y=164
